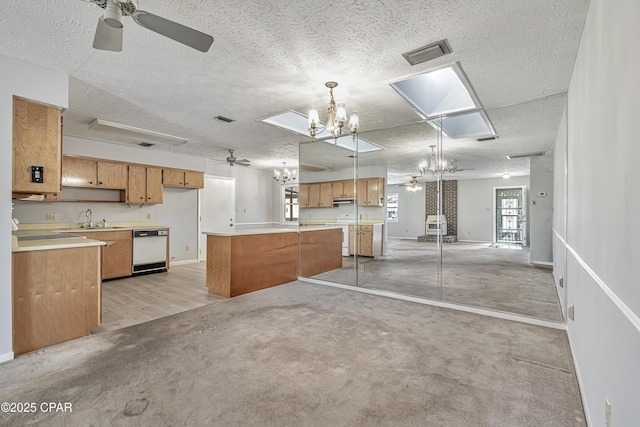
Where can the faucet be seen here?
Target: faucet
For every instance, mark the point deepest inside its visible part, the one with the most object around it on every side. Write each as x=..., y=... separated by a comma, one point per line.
x=87, y=214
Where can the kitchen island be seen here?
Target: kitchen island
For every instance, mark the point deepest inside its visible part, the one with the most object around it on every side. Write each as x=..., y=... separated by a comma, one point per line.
x=243, y=261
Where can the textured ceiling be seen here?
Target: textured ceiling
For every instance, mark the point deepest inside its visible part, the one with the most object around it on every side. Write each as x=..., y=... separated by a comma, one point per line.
x=273, y=56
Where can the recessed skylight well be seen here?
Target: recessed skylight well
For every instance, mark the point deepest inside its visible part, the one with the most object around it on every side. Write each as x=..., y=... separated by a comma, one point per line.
x=472, y=125
x=437, y=92
x=298, y=123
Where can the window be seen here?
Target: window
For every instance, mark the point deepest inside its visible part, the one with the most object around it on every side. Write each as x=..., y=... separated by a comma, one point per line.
x=392, y=207
x=290, y=207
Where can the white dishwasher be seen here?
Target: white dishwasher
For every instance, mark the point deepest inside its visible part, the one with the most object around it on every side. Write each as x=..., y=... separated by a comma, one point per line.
x=150, y=250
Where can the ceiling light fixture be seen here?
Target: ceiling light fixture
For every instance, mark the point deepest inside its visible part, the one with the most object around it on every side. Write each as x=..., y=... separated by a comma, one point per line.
x=336, y=117
x=414, y=186
x=506, y=175
x=284, y=176
x=434, y=166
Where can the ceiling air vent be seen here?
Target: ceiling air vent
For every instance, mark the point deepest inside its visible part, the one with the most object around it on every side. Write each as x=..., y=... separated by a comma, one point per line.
x=488, y=138
x=146, y=144
x=224, y=119
x=428, y=52
x=524, y=156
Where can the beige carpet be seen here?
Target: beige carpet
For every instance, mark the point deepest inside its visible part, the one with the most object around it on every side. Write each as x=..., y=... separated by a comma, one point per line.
x=304, y=355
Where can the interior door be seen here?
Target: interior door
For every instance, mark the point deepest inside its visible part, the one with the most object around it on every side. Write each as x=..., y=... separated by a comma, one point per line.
x=510, y=215
x=217, y=208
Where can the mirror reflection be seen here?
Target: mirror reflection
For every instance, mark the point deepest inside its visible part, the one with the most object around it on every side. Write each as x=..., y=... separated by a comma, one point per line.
x=446, y=219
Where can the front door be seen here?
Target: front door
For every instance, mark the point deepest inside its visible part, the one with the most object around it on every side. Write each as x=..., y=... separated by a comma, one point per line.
x=510, y=215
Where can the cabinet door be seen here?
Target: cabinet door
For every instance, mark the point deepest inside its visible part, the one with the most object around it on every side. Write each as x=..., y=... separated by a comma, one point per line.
x=372, y=191
x=37, y=141
x=193, y=179
x=173, y=177
x=326, y=201
x=112, y=175
x=78, y=172
x=362, y=192
x=116, y=259
x=366, y=241
x=337, y=189
x=348, y=188
x=154, y=185
x=303, y=198
x=137, y=188
x=314, y=195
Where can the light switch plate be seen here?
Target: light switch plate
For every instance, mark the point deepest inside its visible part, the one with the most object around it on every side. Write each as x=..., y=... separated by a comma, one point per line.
x=561, y=282
x=571, y=312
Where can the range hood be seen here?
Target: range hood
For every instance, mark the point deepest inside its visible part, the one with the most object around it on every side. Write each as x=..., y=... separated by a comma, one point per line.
x=344, y=200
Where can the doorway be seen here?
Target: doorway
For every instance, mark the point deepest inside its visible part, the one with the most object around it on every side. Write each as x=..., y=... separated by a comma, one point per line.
x=217, y=208
x=510, y=215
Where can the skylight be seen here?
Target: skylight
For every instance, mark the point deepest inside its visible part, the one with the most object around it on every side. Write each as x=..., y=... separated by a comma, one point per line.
x=441, y=91
x=298, y=123
x=472, y=125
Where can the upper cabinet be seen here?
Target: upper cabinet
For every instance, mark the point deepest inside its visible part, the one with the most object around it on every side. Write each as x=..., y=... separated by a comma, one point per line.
x=81, y=172
x=343, y=189
x=371, y=192
x=182, y=178
x=37, y=147
x=320, y=195
x=145, y=184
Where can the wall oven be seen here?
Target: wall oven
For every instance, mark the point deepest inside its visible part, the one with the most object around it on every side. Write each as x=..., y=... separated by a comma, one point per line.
x=150, y=250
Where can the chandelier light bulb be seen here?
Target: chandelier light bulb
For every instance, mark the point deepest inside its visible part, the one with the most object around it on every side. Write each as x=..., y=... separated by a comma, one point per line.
x=354, y=122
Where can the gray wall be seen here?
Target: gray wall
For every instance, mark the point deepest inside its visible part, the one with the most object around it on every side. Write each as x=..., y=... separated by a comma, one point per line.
x=541, y=210
x=39, y=84
x=411, y=213
x=475, y=206
x=602, y=237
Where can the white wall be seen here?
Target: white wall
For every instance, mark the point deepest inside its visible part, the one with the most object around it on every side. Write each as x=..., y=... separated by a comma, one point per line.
x=39, y=84
x=603, y=234
x=559, y=212
x=475, y=206
x=411, y=213
x=541, y=209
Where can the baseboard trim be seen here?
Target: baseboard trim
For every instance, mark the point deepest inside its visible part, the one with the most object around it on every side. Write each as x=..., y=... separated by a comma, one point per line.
x=6, y=357
x=186, y=261
x=474, y=241
x=542, y=263
x=467, y=309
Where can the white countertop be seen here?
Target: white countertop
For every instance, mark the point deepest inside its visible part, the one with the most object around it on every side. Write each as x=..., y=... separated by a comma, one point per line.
x=50, y=244
x=255, y=231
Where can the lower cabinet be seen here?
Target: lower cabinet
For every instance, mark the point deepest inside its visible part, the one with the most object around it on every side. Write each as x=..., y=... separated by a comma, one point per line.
x=116, y=256
x=368, y=239
x=56, y=296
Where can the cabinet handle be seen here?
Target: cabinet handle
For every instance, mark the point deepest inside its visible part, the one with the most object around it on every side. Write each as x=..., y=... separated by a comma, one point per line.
x=100, y=182
x=142, y=198
x=90, y=182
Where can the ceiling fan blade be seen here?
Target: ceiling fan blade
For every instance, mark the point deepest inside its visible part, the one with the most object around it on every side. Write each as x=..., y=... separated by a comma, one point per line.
x=243, y=164
x=178, y=32
x=243, y=160
x=107, y=38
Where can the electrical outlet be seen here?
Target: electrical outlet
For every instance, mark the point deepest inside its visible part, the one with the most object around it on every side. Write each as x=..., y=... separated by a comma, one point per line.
x=571, y=312
x=561, y=282
x=186, y=248
x=237, y=210
x=149, y=216
x=607, y=412
x=52, y=217
x=361, y=268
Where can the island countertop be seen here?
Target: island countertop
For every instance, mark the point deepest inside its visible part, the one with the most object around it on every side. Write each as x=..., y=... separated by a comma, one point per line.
x=256, y=231
x=44, y=240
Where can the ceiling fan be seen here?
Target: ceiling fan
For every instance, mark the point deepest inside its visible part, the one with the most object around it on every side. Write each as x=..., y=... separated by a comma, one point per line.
x=109, y=31
x=232, y=160
x=413, y=185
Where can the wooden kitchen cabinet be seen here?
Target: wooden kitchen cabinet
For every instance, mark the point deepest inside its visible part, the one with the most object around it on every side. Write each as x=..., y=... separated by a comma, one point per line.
x=368, y=238
x=145, y=185
x=320, y=195
x=343, y=189
x=303, y=195
x=371, y=192
x=116, y=257
x=112, y=175
x=79, y=172
x=182, y=178
x=37, y=141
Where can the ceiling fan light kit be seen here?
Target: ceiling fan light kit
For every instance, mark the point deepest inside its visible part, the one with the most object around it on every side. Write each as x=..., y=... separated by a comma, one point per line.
x=109, y=32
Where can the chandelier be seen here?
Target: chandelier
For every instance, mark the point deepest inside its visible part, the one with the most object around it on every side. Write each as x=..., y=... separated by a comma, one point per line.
x=284, y=176
x=336, y=117
x=434, y=166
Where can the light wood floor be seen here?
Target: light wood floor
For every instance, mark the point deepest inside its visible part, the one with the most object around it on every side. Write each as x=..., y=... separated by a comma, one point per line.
x=134, y=300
